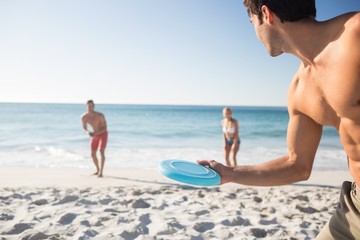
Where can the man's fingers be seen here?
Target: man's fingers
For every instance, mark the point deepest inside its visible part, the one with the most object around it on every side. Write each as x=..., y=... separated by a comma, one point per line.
x=208, y=163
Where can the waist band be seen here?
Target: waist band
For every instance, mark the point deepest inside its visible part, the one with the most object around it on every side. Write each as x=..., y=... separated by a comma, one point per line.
x=101, y=134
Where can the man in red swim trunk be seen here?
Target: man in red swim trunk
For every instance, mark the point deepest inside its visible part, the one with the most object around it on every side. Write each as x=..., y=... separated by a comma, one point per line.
x=99, y=135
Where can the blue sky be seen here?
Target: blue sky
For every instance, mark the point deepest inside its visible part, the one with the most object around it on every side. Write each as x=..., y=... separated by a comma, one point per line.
x=196, y=52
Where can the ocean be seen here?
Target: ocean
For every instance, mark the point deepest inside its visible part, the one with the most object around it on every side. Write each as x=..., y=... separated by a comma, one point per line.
x=140, y=136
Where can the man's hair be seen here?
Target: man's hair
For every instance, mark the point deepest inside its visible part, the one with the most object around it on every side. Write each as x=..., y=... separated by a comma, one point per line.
x=90, y=101
x=285, y=10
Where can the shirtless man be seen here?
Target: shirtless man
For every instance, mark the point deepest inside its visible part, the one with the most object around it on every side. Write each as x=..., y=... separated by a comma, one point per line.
x=99, y=135
x=325, y=91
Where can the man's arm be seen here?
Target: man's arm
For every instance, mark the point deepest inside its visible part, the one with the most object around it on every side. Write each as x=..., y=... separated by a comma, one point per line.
x=84, y=124
x=303, y=139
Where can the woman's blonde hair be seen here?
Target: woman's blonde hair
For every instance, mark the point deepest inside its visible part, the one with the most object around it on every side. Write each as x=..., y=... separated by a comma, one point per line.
x=227, y=109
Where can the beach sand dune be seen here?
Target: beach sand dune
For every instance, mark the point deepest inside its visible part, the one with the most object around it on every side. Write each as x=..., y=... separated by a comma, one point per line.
x=148, y=208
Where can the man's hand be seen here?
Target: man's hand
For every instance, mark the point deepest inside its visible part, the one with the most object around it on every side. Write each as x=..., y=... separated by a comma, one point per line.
x=218, y=167
x=91, y=134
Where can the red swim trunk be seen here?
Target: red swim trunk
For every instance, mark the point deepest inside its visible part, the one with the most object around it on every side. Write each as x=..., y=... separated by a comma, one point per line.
x=99, y=140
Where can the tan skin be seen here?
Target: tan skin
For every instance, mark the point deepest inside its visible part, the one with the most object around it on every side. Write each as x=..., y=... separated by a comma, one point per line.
x=98, y=123
x=228, y=122
x=325, y=91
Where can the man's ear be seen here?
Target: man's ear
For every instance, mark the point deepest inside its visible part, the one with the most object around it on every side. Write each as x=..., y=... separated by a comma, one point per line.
x=268, y=15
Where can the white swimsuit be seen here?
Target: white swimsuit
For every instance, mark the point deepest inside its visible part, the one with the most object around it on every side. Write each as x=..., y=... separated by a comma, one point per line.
x=230, y=130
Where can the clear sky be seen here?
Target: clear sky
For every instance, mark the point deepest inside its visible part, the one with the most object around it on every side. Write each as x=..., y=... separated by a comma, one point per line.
x=197, y=52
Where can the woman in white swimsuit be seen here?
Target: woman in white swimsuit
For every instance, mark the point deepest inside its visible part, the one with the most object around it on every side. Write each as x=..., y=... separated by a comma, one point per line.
x=230, y=128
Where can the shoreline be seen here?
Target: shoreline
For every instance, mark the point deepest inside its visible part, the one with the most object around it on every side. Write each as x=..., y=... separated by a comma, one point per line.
x=76, y=177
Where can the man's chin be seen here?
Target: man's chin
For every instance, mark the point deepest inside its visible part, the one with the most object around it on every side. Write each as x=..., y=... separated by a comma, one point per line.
x=275, y=54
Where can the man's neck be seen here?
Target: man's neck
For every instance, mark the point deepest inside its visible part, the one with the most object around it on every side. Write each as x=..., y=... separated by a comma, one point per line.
x=306, y=39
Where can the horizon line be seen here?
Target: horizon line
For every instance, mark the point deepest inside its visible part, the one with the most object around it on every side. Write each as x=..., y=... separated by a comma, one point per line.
x=147, y=104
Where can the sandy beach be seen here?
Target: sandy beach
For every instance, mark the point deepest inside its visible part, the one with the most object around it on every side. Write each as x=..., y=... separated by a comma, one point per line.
x=70, y=203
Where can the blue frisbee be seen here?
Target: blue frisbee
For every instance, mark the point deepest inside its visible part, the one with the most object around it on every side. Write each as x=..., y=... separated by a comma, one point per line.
x=189, y=172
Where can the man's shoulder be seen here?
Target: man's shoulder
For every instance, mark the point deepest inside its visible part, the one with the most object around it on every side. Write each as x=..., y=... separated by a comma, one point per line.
x=351, y=22
x=346, y=17
x=296, y=89
x=99, y=114
x=353, y=17
x=354, y=23
x=296, y=78
x=84, y=115
x=350, y=36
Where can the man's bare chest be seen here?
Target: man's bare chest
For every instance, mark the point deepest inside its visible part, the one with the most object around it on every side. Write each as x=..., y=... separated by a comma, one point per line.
x=93, y=120
x=317, y=95
x=330, y=88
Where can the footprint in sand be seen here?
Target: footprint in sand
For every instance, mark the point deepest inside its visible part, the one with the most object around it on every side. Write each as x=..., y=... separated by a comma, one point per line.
x=204, y=226
x=67, y=199
x=301, y=198
x=106, y=201
x=67, y=218
x=18, y=228
x=101, y=220
x=257, y=199
x=239, y=221
x=40, y=235
x=268, y=222
x=231, y=196
x=85, y=223
x=203, y=212
x=85, y=202
x=140, y=203
x=171, y=227
x=89, y=234
x=40, y=202
x=306, y=209
x=258, y=232
x=6, y=217
x=137, y=231
x=145, y=219
x=137, y=192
